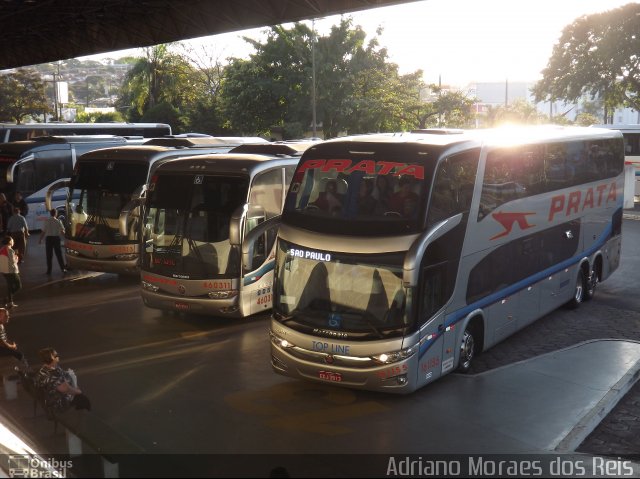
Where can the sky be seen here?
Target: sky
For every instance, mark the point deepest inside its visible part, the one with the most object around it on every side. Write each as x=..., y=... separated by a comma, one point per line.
x=456, y=42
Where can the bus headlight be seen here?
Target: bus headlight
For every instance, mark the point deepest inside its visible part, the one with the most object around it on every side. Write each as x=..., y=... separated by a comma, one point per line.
x=395, y=356
x=126, y=257
x=150, y=287
x=280, y=342
x=222, y=294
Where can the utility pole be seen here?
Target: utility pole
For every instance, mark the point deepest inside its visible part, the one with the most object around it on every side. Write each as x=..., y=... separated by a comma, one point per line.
x=313, y=77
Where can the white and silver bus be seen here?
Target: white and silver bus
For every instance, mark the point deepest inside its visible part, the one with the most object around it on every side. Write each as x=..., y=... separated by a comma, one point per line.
x=436, y=247
x=631, y=135
x=32, y=166
x=197, y=213
x=101, y=189
x=28, y=131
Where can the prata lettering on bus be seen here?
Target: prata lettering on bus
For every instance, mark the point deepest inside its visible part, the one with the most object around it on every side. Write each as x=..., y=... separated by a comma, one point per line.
x=575, y=202
x=330, y=348
x=365, y=166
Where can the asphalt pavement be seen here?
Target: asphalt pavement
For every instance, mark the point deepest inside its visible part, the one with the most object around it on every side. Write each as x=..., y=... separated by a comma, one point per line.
x=560, y=385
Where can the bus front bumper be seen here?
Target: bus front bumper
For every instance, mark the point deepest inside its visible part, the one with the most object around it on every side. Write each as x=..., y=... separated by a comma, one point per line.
x=370, y=379
x=199, y=305
x=128, y=267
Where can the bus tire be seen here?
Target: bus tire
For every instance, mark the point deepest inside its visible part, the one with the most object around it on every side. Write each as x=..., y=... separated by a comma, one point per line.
x=591, y=284
x=579, y=291
x=467, y=350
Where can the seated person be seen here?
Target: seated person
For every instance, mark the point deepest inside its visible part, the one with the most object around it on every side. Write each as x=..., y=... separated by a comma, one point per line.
x=405, y=198
x=330, y=200
x=60, y=387
x=366, y=202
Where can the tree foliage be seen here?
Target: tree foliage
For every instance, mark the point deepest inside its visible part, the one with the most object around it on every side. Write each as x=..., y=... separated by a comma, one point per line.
x=22, y=94
x=357, y=89
x=518, y=112
x=160, y=77
x=599, y=55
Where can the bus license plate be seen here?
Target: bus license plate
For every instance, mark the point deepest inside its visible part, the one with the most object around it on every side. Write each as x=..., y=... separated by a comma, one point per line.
x=330, y=376
x=181, y=306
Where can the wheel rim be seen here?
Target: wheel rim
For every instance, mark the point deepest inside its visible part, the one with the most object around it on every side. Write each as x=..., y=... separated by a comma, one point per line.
x=467, y=349
x=579, y=289
x=593, y=283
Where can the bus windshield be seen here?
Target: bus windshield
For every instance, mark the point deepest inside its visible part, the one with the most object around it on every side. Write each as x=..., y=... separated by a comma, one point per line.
x=103, y=190
x=340, y=293
x=186, y=234
x=362, y=193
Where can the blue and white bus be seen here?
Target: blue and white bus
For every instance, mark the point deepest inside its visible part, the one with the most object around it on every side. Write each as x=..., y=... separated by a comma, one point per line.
x=32, y=166
x=28, y=131
x=435, y=247
x=199, y=212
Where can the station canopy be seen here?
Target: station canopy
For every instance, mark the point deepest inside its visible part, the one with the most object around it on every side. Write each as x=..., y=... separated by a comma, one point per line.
x=42, y=31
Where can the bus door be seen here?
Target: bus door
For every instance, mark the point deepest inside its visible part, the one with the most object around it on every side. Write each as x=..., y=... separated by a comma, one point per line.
x=447, y=219
x=266, y=196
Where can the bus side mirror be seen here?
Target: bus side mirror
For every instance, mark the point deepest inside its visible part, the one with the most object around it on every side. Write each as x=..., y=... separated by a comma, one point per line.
x=123, y=222
x=254, y=235
x=235, y=225
x=58, y=185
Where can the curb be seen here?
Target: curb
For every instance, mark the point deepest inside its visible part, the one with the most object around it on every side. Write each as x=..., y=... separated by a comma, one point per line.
x=592, y=419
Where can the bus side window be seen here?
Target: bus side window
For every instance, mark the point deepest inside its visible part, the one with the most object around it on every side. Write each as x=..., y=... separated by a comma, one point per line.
x=453, y=186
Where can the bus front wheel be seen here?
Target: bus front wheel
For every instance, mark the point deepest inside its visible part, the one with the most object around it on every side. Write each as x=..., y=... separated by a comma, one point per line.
x=467, y=350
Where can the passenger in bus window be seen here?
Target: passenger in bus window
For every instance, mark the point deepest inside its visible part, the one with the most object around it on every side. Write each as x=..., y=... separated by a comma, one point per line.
x=330, y=200
x=382, y=193
x=366, y=202
x=405, y=197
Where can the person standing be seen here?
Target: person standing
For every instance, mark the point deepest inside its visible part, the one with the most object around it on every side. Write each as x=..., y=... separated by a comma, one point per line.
x=52, y=231
x=9, y=269
x=19, y=201
x=6, y=210
x=18, y=229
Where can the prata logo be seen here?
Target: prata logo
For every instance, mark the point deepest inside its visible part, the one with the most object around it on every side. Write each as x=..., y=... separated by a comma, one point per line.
x=508, y=219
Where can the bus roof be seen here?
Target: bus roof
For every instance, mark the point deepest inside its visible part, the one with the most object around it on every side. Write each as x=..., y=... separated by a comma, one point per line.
x=490, y=136
x=53, y=124
x=288, y=148
x=60, y=139
x=226, y=163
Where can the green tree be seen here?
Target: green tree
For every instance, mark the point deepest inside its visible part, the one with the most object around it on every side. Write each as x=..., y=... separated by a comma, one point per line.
x=159, y=82
x=99, y=117
x=441, y=107
x=586, y=119
x=22, y=94
x=597, y=54
x=518, y=112
x=357, y=89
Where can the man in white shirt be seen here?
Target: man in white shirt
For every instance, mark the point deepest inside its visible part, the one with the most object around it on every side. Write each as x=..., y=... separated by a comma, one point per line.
x=52, y=231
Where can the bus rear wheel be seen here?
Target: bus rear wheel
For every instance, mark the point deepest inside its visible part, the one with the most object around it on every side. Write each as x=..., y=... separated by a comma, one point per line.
x=591, y=285
x=467, y=351
x=579, y=292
